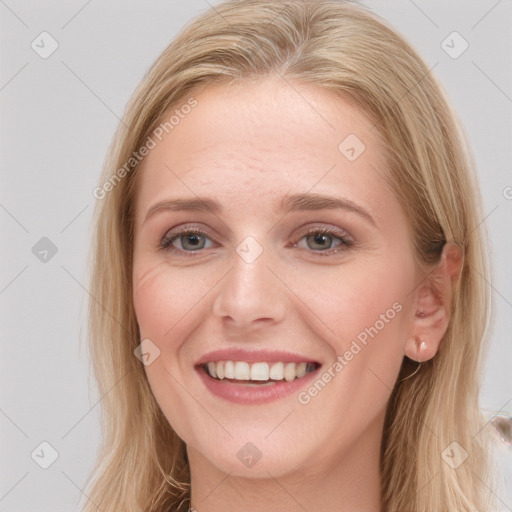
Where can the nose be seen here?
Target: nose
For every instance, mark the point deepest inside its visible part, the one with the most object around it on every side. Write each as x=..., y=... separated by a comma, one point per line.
x=250, y=295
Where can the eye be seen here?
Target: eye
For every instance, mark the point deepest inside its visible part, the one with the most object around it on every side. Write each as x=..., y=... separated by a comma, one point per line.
x=325, y=241
x=186, y=239
x=321, y=240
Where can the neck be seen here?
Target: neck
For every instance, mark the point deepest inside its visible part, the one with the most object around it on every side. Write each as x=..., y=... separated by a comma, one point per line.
x=345, y=482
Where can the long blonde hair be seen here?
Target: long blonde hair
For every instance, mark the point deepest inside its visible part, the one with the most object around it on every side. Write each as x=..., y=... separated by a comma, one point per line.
x=142, y=464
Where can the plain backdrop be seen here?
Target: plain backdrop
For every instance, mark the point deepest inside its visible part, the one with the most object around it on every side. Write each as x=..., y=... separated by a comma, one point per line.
x=58, y=116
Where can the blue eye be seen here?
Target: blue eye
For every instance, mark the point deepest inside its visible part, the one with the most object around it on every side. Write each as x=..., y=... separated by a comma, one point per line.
x=321, y=241
x=190, y=240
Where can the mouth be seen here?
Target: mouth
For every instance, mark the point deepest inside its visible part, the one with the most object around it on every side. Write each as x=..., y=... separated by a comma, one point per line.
x=255, y=377
x=259, y=373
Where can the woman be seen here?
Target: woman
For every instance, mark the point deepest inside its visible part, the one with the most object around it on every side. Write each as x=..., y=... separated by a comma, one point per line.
x=288, y=312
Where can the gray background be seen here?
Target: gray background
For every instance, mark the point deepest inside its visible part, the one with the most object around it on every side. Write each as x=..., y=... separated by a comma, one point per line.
x=58, y=117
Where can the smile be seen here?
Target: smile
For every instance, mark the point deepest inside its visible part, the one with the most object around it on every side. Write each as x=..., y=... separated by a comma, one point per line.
x=258, y=372
x=251, y=377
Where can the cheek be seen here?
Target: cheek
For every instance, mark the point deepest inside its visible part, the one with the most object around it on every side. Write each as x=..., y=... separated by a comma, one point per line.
x=167, y=303
x=164, y=304
x=163, y=299
x=366, y=311
x=170, y=304
x=358, y=295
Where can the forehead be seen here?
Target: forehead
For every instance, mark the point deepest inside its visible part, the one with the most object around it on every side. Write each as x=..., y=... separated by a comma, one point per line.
x=255, y=140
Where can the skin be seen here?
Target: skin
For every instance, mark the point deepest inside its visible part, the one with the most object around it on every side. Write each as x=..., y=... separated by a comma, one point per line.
x=247, y=146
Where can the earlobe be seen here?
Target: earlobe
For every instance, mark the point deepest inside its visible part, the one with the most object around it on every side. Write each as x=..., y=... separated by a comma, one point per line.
x=434, y=305
x=422, y=351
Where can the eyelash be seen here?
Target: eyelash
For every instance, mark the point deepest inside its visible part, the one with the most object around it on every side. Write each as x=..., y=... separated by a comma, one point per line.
x=346, y=240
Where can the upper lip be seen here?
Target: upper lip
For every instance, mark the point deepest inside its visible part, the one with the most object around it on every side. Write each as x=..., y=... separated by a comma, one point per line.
x=253, y=356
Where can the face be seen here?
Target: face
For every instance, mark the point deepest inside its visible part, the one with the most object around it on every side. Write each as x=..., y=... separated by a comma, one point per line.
x=269, y=251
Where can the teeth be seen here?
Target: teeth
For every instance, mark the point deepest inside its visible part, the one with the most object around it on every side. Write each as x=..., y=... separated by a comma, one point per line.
x=261, y=371
x=289, y=372
x=212, y=369
x=220, y=371
x=276, y=372
x=242, y=371
x=229, y=370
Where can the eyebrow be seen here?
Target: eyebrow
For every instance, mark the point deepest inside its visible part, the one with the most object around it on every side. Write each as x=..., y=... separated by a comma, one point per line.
x=292, y=203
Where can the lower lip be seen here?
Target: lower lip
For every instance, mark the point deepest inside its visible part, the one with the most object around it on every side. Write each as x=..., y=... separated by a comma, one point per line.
x=253, y=394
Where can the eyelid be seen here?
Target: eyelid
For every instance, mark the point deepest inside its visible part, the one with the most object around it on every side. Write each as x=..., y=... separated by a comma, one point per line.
x=331, y=230
x=184, y=229
x=347, y=242
x=180, y=230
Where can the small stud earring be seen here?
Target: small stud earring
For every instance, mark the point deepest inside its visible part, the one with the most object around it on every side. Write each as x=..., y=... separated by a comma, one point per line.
x=421, y=345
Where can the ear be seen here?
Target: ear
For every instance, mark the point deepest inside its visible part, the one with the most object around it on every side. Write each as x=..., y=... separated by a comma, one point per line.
x=434, y=303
